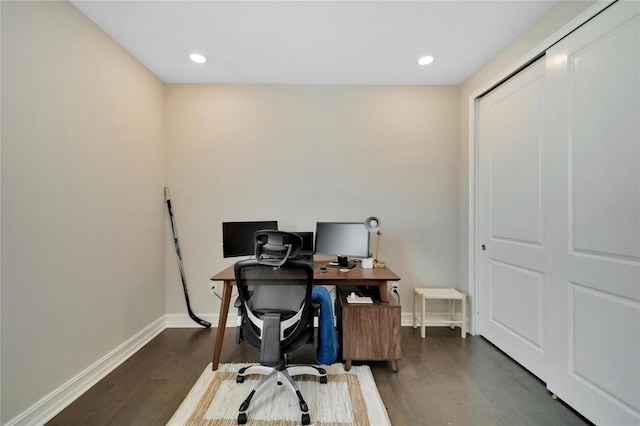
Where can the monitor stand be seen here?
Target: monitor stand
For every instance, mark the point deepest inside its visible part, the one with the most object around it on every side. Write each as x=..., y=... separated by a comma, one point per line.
x=342, y=262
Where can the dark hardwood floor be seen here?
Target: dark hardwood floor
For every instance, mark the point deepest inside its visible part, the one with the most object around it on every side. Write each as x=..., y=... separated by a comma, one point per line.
x=442, y=380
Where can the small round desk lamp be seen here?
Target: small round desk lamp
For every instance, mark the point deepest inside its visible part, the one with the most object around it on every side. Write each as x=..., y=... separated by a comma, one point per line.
x=373, y=225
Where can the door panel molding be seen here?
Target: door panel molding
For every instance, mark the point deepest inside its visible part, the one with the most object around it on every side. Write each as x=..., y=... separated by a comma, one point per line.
x=525, y=321
x=620, y=386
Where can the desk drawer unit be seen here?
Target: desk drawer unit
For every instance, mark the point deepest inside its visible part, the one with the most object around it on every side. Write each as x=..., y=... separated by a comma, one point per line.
x=370, y=331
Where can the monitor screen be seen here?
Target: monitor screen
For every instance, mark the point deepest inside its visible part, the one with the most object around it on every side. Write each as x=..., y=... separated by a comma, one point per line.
x=237, y=237
x=307, y=241
x=349, y=239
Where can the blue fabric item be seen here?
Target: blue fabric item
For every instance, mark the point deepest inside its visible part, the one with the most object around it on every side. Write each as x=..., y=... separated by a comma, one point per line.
x=327, y=351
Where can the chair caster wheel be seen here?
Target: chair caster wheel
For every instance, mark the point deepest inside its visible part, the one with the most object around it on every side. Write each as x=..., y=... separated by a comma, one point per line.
x=242, y=418
x=323, y=379
x=239, y=379
x=306, y=419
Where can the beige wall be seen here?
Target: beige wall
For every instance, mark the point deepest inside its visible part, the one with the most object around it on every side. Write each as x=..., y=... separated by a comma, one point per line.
x=301, y=154
x=82, y=201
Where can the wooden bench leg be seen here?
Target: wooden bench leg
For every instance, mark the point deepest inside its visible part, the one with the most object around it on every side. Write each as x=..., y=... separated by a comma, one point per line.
x=415, y=309
x=452, y=313
x=463, y=327
x=424, y=309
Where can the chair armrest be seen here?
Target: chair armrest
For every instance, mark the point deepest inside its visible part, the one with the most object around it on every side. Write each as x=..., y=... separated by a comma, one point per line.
x=238, y=305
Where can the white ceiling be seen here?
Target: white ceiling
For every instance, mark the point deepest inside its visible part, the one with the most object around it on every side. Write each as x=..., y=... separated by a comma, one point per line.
x=314, y=42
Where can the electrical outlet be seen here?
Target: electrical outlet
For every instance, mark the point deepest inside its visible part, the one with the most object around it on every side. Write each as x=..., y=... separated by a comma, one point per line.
x=393, y=291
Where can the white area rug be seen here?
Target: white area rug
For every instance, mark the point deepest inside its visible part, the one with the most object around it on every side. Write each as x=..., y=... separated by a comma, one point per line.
x=349, y=398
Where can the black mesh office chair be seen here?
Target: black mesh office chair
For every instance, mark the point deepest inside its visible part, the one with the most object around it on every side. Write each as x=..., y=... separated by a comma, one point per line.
x=277, y=314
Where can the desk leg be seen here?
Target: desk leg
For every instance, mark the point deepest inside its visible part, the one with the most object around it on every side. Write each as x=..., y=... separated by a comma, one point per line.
x=222, y=322
x=347, y=364
x=384, y=292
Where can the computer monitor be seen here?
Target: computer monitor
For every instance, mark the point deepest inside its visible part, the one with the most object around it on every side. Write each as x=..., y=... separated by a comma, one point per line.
x=342, y=239
x=237, y=237
x=307, y=241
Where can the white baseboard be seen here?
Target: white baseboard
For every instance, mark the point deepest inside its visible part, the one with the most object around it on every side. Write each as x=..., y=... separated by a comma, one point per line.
x=45, y=409
x=406, y=319
x=183, y=320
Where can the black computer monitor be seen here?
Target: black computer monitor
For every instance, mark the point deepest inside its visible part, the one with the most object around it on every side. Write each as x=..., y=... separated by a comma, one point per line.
x=237, y=237
x=307, y=241
x=342, y=239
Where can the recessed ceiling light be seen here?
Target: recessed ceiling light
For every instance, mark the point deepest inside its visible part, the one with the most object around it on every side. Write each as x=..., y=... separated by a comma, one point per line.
x=425, y=60
x=197, y=58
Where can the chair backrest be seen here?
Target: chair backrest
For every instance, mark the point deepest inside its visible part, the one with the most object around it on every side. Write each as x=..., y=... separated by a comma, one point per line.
x=274, y=288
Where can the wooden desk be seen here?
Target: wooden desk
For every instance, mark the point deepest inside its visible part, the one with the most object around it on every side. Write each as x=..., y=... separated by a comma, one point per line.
x=375, y=277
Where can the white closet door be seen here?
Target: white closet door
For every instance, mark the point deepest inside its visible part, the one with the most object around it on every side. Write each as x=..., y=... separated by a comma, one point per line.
x=592, y=186
x=511, y=226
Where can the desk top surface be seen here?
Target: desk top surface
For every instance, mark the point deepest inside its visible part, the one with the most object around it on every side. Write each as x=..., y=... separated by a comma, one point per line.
x=332, y=274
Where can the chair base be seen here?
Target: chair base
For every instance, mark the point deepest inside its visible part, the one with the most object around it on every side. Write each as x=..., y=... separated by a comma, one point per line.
x=280, y=376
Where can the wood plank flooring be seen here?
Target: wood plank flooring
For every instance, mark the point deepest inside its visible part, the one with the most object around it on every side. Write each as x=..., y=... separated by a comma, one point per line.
x=442, y=380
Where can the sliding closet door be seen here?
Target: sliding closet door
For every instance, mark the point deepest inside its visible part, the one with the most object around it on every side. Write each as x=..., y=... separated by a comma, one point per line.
x=511, y=226
x=592, y=186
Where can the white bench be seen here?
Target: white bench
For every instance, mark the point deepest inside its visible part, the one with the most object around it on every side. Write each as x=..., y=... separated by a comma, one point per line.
x=448, y=318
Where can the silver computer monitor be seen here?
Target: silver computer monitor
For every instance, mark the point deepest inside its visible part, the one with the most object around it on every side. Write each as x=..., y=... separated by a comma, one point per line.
x=342, y=239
